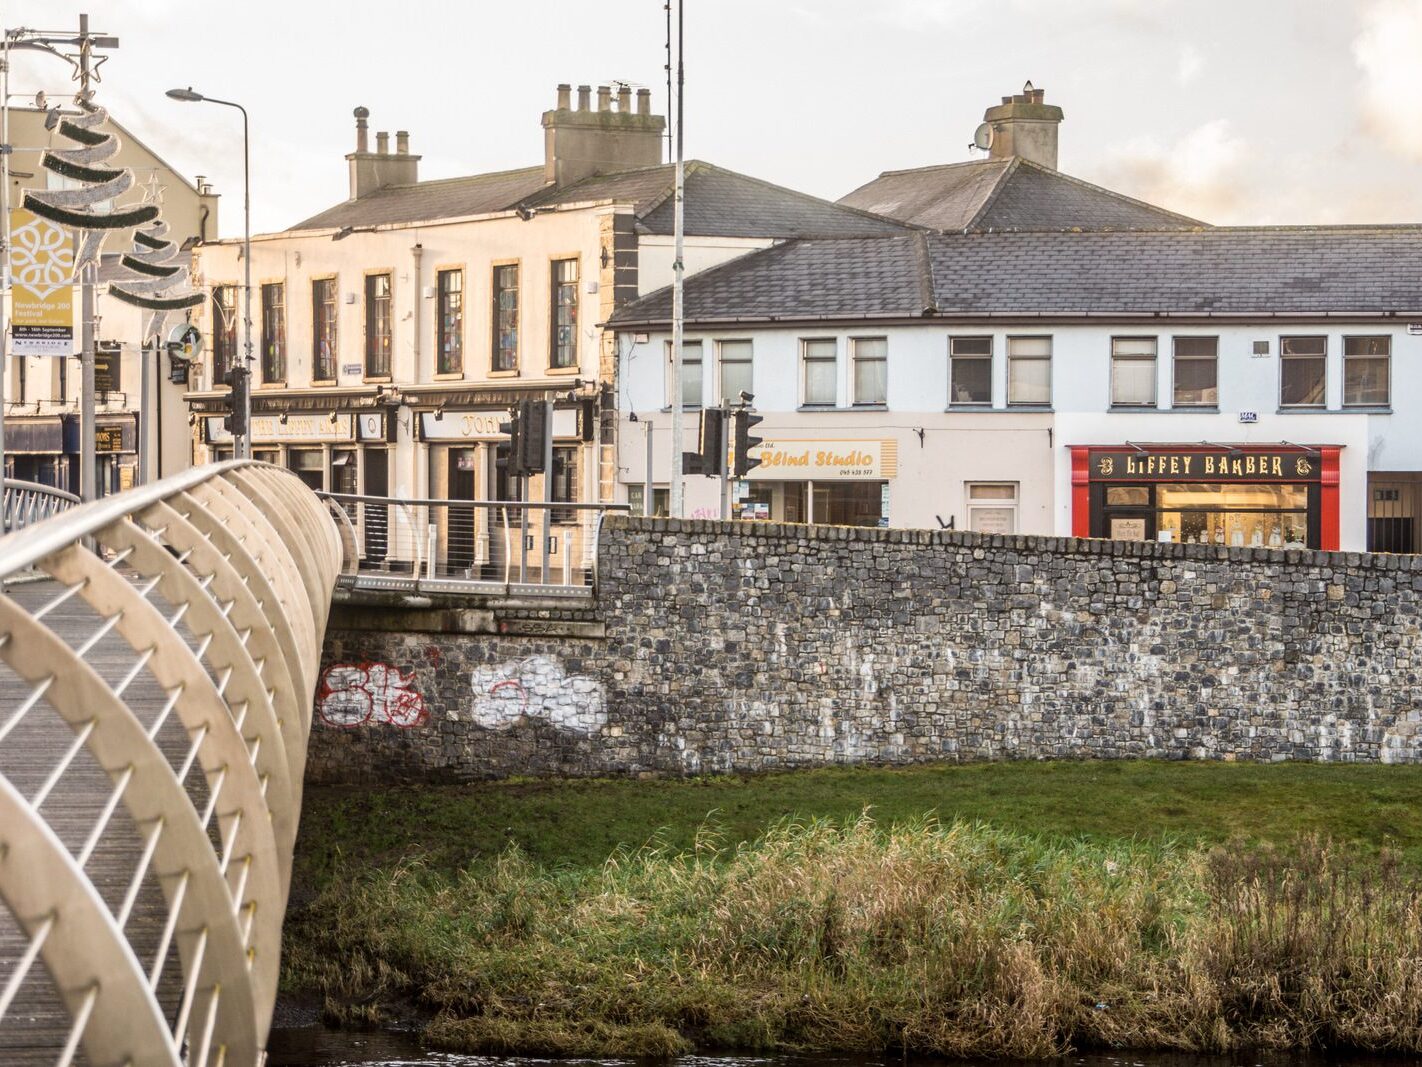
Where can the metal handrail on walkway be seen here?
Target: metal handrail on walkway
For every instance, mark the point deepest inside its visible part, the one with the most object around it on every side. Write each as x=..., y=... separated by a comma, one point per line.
x=26, y=503
x=155, y=700
x=499, y=547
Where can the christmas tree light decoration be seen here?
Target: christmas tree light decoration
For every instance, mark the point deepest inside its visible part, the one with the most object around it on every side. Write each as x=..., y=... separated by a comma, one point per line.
x=154, y=277
x=78, y=208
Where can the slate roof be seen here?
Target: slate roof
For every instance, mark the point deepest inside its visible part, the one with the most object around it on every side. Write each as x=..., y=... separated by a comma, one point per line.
x=1262, y=271
x=1001, y=194
x=719, y=203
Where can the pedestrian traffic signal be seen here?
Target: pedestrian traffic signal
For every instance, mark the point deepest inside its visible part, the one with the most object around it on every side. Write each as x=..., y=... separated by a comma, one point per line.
x=240, y=401
x=535, y=415
x=712, y=443
x=742, y=419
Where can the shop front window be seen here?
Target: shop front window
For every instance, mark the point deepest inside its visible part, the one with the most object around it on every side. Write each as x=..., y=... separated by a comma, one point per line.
x=308, y=465
x=661, y=501
x=1256, y=516
x=992, y=507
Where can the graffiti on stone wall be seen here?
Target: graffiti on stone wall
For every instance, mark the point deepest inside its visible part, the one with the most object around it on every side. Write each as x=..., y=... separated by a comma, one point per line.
x=537, y=688
x=364, y=694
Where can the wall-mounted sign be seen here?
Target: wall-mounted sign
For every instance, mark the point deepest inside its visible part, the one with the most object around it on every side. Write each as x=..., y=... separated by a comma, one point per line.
x=351, y=370
x=1222, y=465
x=484, y=425
x=108, y=439
x=315, y=427
x=1249, y=416
x=1414, y=329
x=826, y=459
x=370, y=426
x=42, y=265
x=108, y=356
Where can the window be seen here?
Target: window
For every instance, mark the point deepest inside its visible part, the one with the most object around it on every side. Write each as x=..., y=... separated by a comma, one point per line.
x=564, y=314
x=1365, y=371
x=449, y=323
x=821, y=359
x=565, y=484
x=505, y=317
x=60, y=387
x=1133, y=372
x=870, y=359
x=21, y=369
x=1196, y=368
x=224, y=331
x=970, y=371
x=323, y=330
x=377, y=326
x=1029, y=370
x=274, y=332
x=1303, y=363
x=691, y=391
x=737, y=375
x=992, y=507
x=637, y=500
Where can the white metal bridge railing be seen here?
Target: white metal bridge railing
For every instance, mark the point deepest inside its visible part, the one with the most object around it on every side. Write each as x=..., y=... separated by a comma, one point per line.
x=158, y=651
x=468, y=546
x=26, y=503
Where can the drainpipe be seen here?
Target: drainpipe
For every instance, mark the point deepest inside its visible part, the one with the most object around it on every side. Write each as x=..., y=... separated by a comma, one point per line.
x=417, y=253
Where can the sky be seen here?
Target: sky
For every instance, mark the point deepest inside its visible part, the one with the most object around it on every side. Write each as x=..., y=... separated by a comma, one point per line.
x=1233, y=111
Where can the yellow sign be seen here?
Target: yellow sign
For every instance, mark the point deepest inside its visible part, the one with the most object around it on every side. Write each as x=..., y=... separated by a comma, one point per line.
x=827, y=460
x=42, y=273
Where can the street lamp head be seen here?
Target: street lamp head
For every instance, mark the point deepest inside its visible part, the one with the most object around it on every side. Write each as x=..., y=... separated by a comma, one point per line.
x=185, y=94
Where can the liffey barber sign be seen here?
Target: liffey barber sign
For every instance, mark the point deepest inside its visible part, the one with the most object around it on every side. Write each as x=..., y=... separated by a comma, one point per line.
x=783, y=460
x=42, y=265
x=1234, y=465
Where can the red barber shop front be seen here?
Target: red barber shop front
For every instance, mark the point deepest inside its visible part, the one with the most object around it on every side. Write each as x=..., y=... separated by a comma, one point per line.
x=1261, y=496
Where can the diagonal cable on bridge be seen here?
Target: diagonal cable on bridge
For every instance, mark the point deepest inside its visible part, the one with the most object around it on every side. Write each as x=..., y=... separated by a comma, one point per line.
x=158, y=652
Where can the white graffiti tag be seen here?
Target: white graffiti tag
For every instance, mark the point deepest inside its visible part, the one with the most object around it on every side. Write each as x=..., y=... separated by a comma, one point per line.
x=361, y=694
x=537, y=688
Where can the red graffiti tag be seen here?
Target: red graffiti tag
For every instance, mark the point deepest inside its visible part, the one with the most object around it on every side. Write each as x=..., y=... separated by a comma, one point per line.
x=361, y=694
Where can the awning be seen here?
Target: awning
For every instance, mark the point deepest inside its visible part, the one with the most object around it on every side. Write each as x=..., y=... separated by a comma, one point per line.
x=34, y=434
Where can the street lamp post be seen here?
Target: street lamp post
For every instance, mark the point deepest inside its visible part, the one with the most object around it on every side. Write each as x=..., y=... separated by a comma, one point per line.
x=241, y=445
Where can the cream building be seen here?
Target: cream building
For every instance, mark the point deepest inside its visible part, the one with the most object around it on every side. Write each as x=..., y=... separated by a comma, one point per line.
x=394, y=331
x=42, y=393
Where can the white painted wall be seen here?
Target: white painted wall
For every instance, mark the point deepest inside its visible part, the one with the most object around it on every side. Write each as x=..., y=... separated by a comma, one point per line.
x=1032, y=447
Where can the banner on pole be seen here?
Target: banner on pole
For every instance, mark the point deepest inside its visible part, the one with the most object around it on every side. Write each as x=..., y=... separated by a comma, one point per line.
x=42, y=287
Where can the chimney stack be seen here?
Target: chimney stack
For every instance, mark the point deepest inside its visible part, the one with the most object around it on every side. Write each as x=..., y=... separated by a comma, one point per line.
x=362, y=142
x=372, y=171
x=1024, y=125
x=585, y=142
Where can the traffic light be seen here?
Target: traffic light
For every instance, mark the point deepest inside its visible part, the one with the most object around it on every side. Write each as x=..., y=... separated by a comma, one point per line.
x=533, y=441
x=514, y=429
x=240, y=385
x=742, y=419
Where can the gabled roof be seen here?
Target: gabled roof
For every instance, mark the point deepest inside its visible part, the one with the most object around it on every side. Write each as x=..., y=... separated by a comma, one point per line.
x=719, y=203
x=1261, y=271
x=1006, y=194
x=448, y=198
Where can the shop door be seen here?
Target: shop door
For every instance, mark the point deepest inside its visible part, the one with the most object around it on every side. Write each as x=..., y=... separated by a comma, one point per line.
x=377, y=516
x=460, y=521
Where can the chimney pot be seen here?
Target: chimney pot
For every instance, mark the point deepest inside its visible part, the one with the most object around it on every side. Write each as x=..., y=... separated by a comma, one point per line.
x=402, y=142
x=564, y=93
x=1007, y=99
x=362, y=140
x=624, y=99
x=382, y=143
x=644, y=101
x=604, y=98
x=584, y=97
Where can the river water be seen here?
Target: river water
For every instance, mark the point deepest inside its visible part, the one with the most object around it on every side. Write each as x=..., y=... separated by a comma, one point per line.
x=317, y=1047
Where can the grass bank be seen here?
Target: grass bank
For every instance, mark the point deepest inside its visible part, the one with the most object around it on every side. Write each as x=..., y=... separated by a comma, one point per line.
x=1015, y=910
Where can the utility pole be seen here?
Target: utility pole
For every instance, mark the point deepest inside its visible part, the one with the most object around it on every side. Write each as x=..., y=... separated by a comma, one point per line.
x=678, y=270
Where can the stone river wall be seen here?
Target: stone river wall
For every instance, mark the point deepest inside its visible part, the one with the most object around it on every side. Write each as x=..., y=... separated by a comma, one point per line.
x=751, y=646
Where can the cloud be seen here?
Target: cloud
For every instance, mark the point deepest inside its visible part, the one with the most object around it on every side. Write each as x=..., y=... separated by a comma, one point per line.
x=1386, y=51
x=1200, y=174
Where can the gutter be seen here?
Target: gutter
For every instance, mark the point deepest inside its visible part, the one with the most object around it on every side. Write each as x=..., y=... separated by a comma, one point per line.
x=626, y=325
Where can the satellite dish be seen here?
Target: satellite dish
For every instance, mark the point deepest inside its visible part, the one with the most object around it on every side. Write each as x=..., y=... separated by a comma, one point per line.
x=185, y=341
x=982, y=136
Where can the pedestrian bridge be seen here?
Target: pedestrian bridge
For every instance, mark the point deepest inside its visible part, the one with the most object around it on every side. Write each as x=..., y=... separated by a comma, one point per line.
x=158, y=650
x=158, y=654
